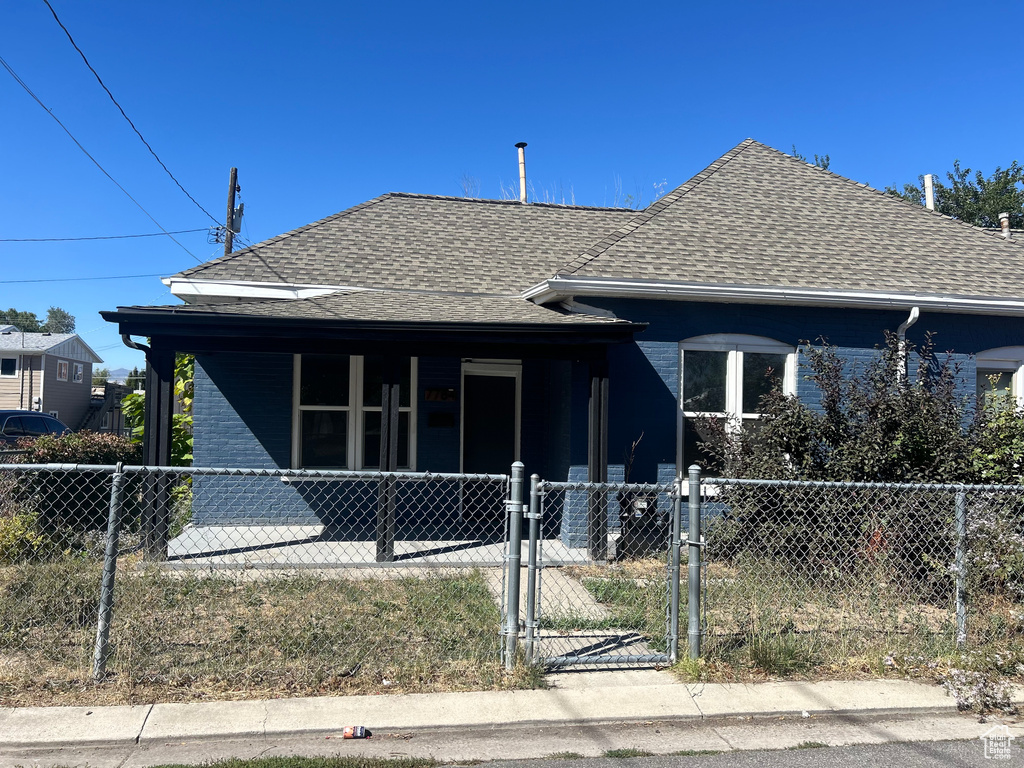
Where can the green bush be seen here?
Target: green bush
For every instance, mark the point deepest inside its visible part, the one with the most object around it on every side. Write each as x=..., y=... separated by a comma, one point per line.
x=21, y=538
x=68, y=503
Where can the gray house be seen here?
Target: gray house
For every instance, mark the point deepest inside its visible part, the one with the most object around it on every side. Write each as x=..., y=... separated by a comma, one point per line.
x=48, y=372
x=449, y=334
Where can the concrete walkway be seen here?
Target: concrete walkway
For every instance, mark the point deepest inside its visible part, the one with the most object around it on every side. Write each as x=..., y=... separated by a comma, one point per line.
x=574, y=699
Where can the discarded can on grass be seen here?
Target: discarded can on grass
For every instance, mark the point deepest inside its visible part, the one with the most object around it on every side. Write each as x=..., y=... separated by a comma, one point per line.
x=355, y=732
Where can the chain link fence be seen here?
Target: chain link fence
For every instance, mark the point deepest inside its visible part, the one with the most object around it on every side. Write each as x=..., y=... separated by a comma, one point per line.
x=139, y=584
x=603, y=574
x=857, y=576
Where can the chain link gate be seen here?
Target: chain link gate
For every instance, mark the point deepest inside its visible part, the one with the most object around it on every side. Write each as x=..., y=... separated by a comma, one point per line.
x=602, y=575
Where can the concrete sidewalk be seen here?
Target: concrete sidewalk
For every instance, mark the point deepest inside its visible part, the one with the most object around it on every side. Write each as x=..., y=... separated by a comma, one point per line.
x=575, y=699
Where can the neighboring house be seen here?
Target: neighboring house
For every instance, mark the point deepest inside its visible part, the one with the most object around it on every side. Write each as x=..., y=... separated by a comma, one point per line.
x=48, y=372
x=559, y=335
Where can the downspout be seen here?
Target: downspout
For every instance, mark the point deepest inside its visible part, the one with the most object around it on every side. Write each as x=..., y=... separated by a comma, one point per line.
x=901, y=335
x=127, y=339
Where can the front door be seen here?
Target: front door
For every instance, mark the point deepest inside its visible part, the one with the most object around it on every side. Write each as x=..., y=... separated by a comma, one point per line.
x=490, y=431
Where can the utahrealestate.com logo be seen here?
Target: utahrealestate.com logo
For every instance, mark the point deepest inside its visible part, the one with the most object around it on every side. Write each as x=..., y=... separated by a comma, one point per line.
x=997, y=741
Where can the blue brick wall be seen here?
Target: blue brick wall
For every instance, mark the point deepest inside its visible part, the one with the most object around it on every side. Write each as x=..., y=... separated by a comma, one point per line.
x=644, y=385
x=242, y=418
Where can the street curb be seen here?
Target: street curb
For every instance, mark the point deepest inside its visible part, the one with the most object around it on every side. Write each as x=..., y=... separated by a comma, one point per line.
x=479, y=711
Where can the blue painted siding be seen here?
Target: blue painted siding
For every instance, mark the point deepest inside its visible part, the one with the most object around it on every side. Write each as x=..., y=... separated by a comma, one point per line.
x=242, y=418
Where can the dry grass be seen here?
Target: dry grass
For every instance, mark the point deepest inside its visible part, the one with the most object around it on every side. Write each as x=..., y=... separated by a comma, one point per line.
x=188, y=637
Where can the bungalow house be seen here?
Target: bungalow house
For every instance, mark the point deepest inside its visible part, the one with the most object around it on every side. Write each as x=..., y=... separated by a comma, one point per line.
x=48, y=372
x=445, y=334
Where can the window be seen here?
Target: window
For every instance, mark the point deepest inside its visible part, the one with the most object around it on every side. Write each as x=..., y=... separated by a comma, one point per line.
x=999, y=374
x=8, y=366
x=62, y=370
x=337, y=418
x=725, y=376
x=79, y=373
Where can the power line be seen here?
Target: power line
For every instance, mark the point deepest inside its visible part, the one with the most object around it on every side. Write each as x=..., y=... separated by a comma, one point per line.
x=101, y=237
x=77, y=279
x=39, y=101
x=123, y=114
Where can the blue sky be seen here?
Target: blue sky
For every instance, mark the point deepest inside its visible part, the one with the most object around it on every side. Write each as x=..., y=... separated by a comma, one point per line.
x=322, y=105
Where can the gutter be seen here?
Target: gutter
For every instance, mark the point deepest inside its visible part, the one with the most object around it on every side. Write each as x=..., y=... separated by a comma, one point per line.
x=562, y=288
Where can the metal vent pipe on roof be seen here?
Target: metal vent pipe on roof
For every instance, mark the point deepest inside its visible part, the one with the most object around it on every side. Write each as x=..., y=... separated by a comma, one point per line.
x=1004, y=225
x=929, y=192
x=521, y=146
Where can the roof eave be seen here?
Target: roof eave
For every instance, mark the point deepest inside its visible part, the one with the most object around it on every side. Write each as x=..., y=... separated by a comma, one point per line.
x=150, y=322
x=560, y=288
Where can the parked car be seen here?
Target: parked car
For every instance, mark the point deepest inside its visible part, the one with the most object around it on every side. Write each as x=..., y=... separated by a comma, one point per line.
x=17, y=424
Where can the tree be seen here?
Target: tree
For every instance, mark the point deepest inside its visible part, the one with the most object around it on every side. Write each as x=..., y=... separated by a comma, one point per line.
x=58, y=321
x=136, y=379
x=972, y=197
x=134, y=408
x=821, y=161
x=23, y=321
x=100, y=376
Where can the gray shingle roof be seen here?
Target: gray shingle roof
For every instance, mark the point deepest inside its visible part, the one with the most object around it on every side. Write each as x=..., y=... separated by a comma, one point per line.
x=755, y=217
x=758, y=217
x=32, y=342
x=421, y=242
x=395, y=306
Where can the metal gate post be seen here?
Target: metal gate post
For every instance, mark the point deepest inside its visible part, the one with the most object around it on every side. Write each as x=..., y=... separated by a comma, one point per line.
x=673, y=573
x=532, y=572
x=693, y=629
x=513, y=559
x=961, y=568
x=99, y=661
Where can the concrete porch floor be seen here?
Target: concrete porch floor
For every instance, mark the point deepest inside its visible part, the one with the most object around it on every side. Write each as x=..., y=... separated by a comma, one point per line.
x=311, y=546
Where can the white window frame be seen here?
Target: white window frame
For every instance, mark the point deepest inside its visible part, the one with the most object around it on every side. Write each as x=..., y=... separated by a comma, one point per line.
x=506, y=368
x=735, y=344
x=1004, y=360
x=55, y=414
x=79, y=373
x=356, y=413
x=62, y=366
x=10, y=375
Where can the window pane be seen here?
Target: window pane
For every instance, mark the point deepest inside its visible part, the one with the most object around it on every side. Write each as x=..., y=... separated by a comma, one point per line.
x=324, y=380
x=13, y=427
x=762, y=373
x=693, y=452
x=324, y=439
x=371, y=439
x=704, y=380
x=994, y=385
x=8, y=366
x=34, y=425
x=373, y=380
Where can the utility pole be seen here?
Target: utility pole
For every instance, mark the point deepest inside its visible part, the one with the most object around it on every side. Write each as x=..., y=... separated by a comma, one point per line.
x=229, y=229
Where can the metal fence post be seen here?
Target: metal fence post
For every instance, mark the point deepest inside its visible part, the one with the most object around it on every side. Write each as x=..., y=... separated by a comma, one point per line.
x=693, y=630
x=99, y=663
x=961, y=568
x=532, y=570
x=512, y=564
x=673, y=573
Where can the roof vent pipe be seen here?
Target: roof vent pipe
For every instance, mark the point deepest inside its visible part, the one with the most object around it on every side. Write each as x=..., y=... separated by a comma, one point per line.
x=929, y=192
x=521, y=146
x=1004, y=224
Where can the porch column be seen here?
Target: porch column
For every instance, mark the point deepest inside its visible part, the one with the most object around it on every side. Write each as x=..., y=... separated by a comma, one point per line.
x=597, y=461
x=389, y=402
x=156, y=449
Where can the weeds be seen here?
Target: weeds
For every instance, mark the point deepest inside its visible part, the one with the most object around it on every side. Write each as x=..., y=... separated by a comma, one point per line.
x=184, y=637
